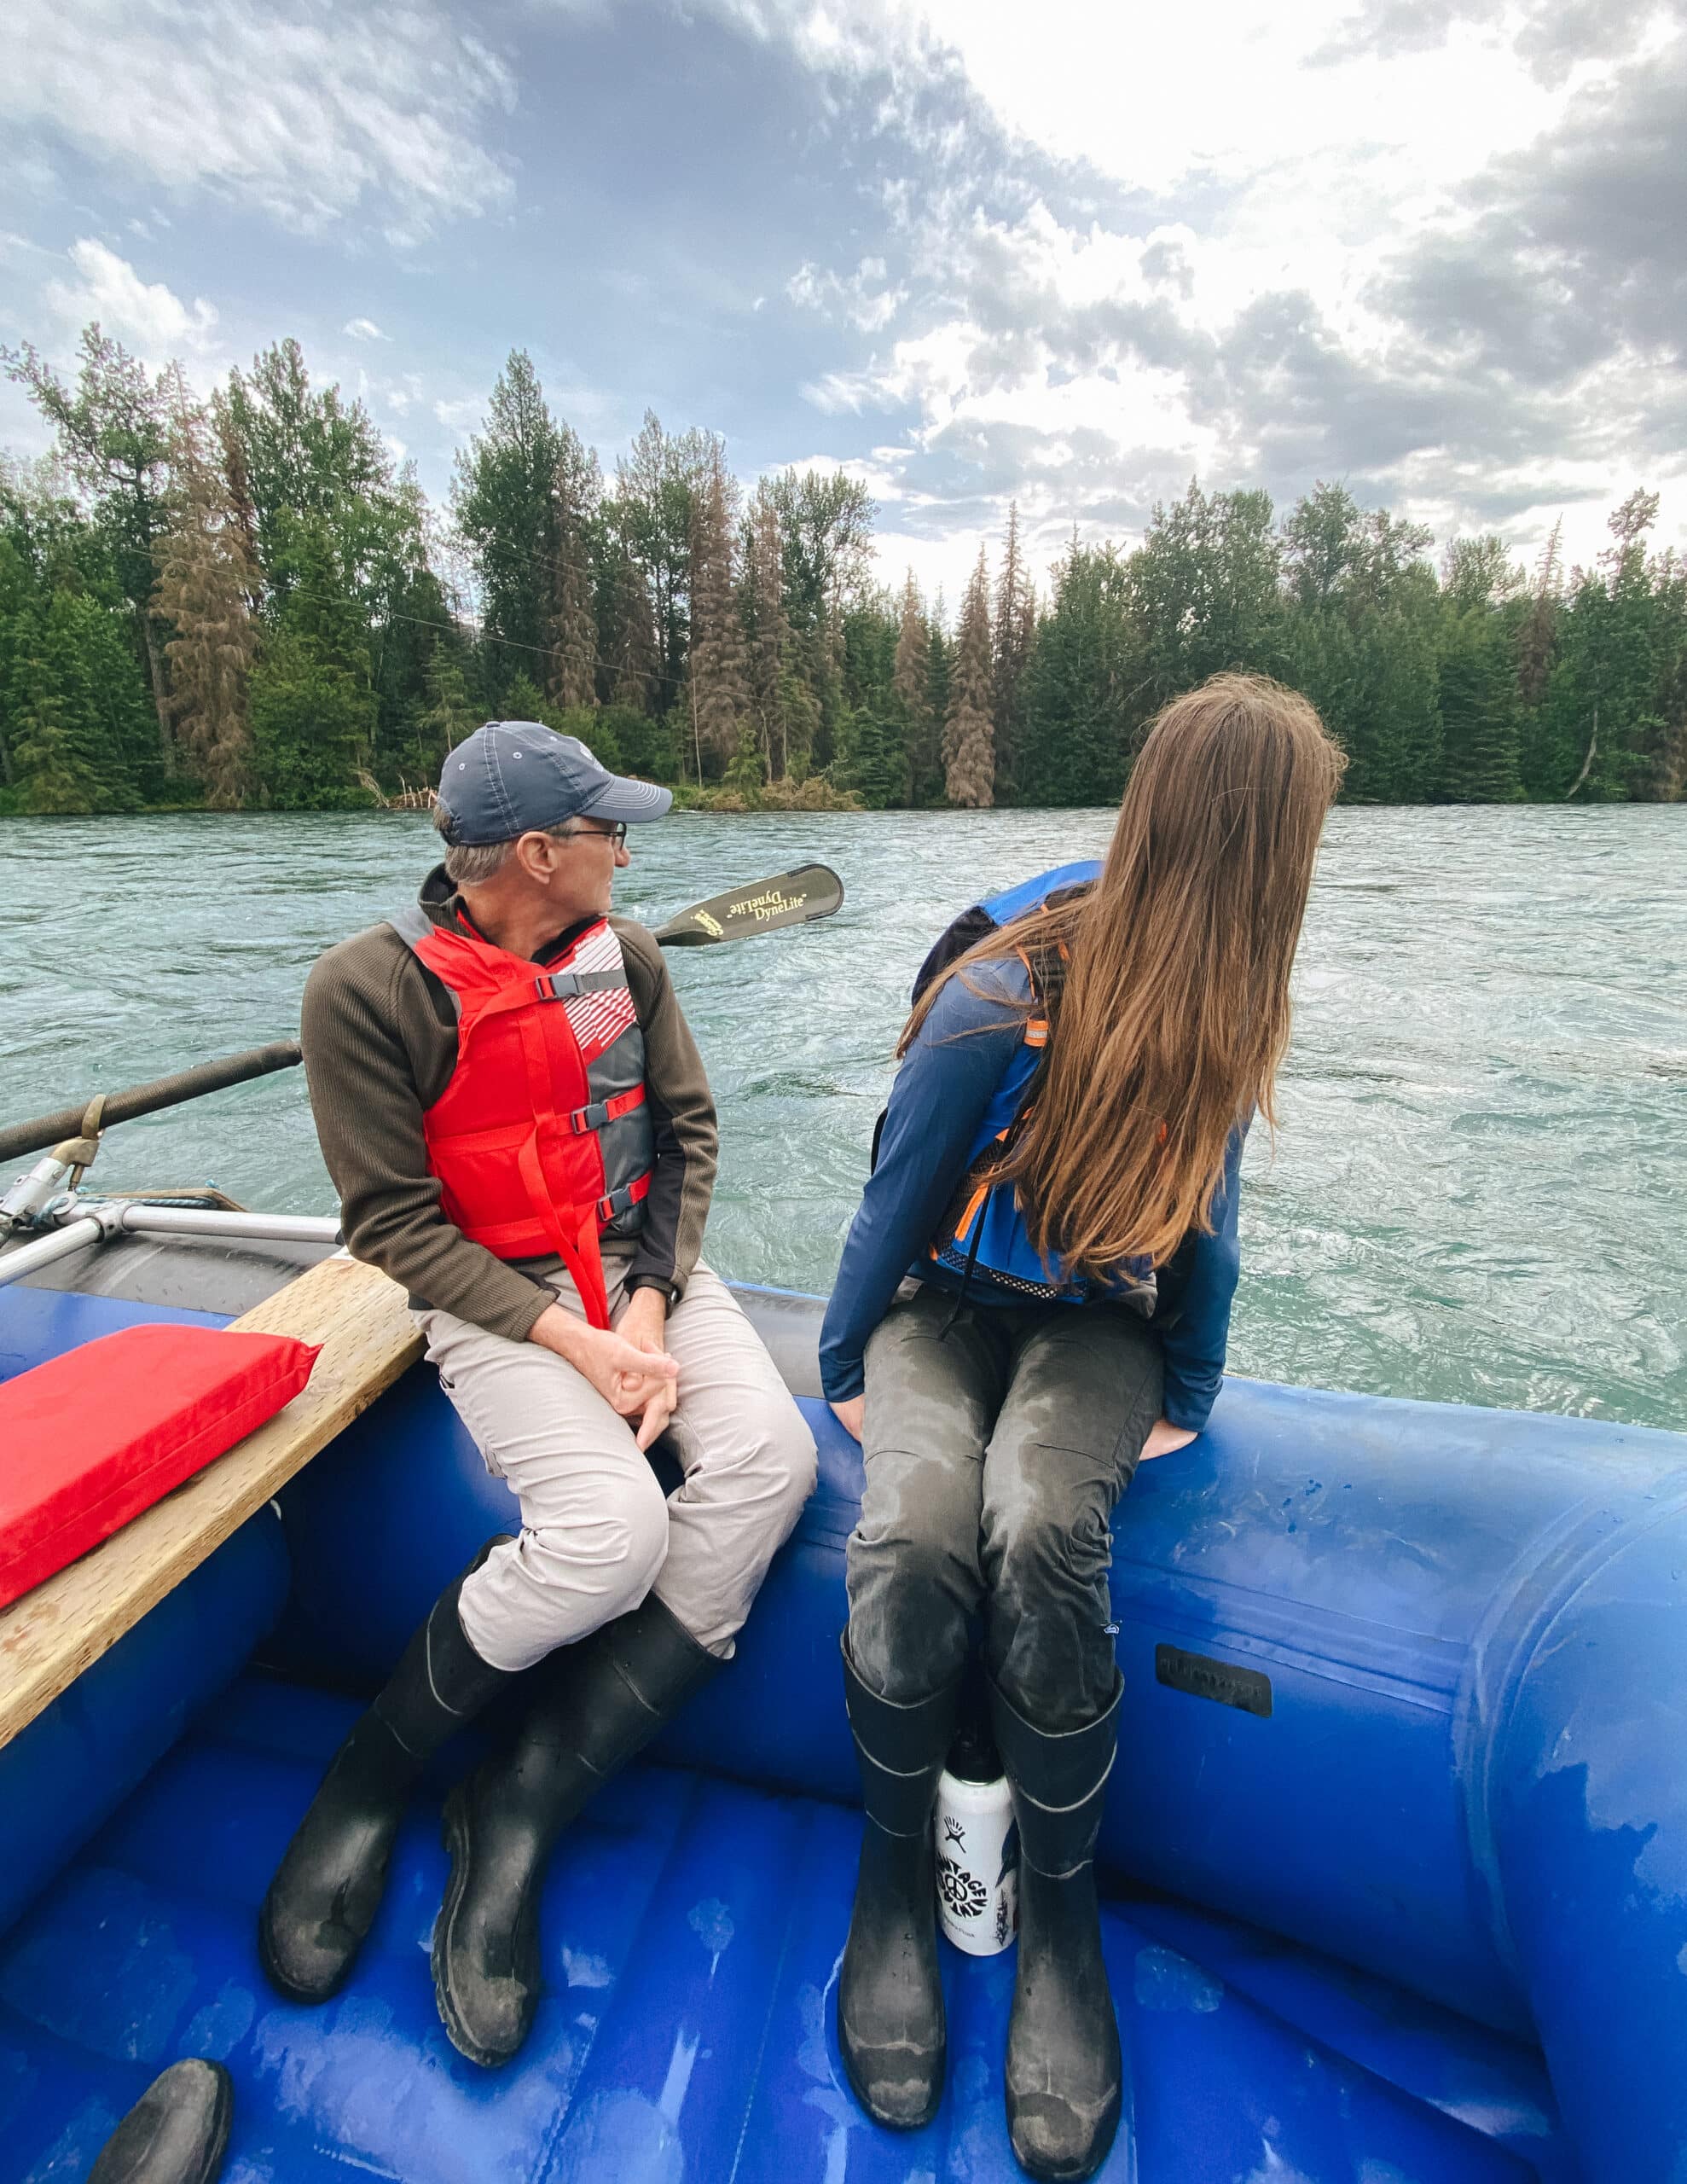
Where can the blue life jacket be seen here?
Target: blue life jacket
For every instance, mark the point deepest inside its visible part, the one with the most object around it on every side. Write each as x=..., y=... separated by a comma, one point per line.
x=982, y=1232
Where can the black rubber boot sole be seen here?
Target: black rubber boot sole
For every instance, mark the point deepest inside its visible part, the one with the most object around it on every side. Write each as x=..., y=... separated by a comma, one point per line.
x=895, y=2122
x=191, y=2104
x=453, y=1834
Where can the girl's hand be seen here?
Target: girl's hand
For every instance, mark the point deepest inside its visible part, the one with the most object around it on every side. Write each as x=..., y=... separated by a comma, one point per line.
x=848, y=1414
x=1164, y=1438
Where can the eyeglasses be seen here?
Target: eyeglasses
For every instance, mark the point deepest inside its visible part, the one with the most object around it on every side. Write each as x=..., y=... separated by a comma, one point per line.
x=617, y=834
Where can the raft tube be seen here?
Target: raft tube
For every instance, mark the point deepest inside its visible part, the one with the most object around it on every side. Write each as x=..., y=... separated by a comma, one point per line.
x=1405, y=1687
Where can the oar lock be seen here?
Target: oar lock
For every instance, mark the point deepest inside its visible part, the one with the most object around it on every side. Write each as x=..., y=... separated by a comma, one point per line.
x=35, y=1199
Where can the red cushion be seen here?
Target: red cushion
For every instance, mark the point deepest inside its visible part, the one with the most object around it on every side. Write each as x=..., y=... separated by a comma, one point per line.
x=89, y=1440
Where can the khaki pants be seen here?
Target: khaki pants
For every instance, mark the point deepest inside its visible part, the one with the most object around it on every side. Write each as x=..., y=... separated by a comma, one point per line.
x=596, y=1532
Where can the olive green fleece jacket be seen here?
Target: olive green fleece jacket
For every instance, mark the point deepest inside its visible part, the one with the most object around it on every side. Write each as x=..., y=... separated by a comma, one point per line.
x=379, y=1036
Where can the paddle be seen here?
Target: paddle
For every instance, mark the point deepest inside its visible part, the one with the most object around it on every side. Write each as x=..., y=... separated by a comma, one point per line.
x=799, y=898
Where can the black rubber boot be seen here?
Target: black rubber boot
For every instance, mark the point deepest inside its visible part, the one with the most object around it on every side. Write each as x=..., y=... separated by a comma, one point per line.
x=1064, y=2076
x=601, y=1702
x=890, y=2028
x=175, y=2134
x=328, y=1887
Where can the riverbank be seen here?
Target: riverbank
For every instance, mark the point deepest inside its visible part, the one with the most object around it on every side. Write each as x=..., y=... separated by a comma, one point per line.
x=815, y=795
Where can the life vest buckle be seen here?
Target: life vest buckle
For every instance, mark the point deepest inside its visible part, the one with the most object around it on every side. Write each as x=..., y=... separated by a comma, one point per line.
x=611, y=1207
x=581, y=1119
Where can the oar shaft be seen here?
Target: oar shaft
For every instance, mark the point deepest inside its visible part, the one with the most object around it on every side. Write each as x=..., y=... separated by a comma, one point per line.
x=18, y=1138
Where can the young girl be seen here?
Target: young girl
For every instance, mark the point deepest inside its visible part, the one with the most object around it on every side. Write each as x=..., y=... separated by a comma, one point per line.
x=1058, y=1175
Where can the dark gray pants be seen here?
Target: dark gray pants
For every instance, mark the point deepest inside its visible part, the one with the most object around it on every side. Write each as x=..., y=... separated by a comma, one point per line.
x=994, y=1453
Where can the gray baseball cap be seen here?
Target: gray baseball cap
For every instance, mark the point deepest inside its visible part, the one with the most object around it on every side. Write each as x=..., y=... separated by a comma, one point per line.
x=514, y=777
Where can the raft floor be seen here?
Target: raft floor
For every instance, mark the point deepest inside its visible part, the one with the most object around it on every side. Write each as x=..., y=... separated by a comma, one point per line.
x=692, y=1927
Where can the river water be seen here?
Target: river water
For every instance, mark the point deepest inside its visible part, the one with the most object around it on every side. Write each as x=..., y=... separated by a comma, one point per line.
x=1479, y=1191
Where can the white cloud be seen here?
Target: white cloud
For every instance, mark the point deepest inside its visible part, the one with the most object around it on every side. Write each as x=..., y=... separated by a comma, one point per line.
x=397, y=391
x=460, y=415
x=364, y=329
x=147, y=316
x=306, y=112
x=880, y=472
x=862, y=298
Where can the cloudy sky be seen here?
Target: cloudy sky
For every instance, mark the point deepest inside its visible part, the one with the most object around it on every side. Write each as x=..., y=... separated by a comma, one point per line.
x=1071, y=251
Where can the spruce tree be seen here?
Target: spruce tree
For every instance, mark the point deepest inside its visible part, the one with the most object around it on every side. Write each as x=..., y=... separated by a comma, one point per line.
x=237, y=478
x=80, y=725
x=572, y=681
x=1540, y=761
x=1478, y=712
x=1662, y=771
x=312, y=703
x=53, y=765
x=1083, y=668
x=1015, y=628
x=872, y=764
x=769, y=635
x=912, y=673
x=505, y=499
x=940, y=655
x=911, y=695
x=969, y=767
x=206, y=581
x=656, y=487
x=716, y=697
x=627, y=663
x=1535, y=646
x=1630, y=665
x=446, y=717
x=1592, y=735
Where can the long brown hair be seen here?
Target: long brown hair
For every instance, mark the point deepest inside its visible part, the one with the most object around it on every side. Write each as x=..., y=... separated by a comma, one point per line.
x=1172, y=977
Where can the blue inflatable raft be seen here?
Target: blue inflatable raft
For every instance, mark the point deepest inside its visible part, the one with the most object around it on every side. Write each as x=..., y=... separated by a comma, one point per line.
x=1396, y=1849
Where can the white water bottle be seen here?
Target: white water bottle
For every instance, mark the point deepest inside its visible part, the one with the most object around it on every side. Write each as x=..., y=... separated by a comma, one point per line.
x=978, y=1849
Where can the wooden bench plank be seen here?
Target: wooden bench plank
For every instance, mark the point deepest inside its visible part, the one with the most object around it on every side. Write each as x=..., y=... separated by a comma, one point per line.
x=53, y=1633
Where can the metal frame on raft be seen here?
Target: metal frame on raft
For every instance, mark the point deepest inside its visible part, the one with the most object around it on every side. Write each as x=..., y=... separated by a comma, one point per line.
x=46, y=1204
x=96, y=1221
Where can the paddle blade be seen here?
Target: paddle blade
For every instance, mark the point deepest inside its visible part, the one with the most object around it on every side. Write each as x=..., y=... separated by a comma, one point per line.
x=798, y=898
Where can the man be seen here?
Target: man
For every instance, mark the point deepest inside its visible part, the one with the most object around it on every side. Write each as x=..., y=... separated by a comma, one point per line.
x=517, y=1120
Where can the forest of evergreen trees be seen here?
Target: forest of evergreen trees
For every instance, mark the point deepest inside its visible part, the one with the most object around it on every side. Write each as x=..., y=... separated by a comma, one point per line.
x=241, y=603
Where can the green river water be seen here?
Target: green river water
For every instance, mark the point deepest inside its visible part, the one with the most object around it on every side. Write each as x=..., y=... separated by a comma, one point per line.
x=1480, y=1189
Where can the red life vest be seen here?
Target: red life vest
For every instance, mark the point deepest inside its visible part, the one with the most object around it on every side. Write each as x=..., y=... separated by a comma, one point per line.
x=542, y=1140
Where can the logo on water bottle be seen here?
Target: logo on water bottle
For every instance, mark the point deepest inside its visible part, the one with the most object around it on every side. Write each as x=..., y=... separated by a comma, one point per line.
x=963, y=1893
